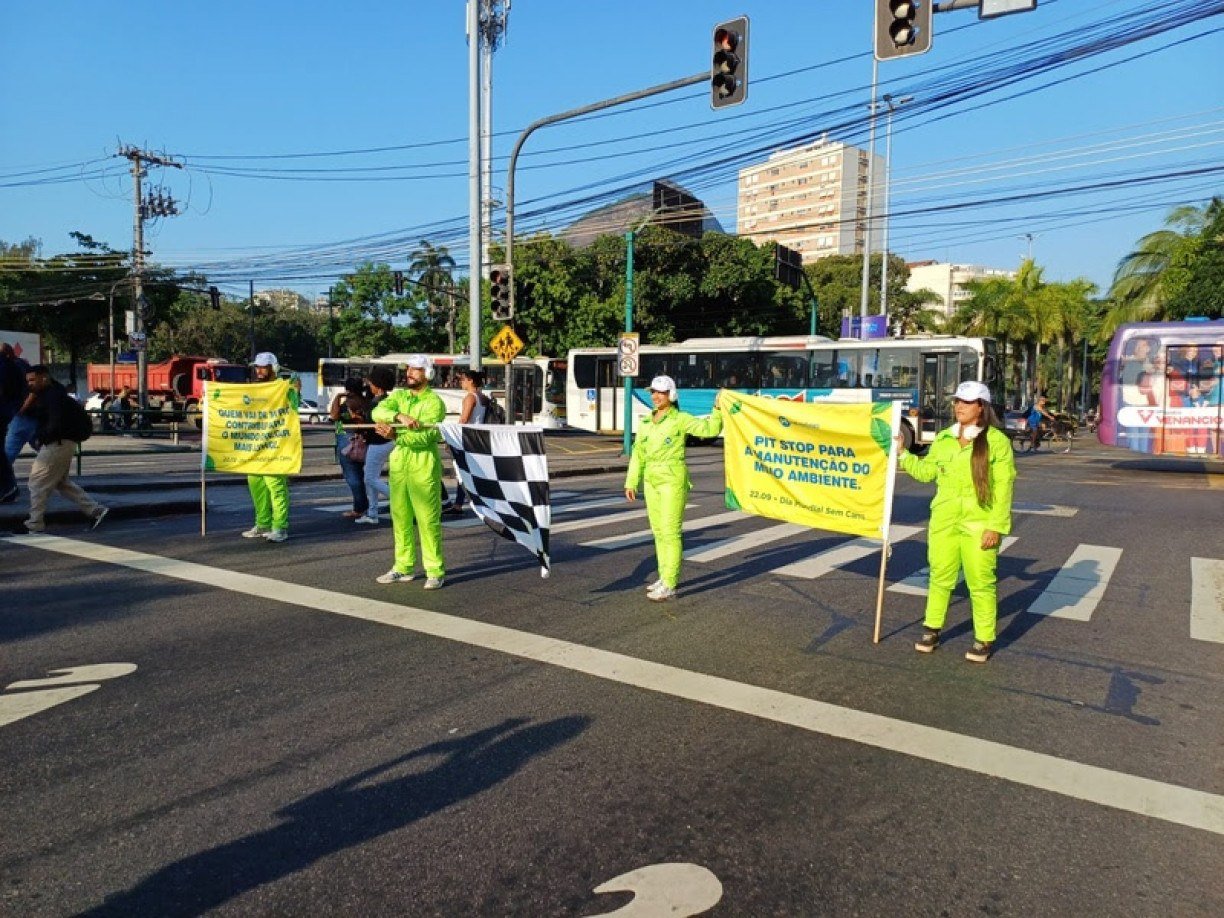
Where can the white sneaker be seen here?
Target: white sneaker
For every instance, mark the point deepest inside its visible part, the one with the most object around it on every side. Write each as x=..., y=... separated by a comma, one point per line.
x=276, y=535
x=662, y=594
x=255, y=532
x=434, y=583
x=394, y=576
x=364, y=520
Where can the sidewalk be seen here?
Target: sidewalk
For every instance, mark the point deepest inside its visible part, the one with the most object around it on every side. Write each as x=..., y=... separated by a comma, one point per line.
x=140, y=494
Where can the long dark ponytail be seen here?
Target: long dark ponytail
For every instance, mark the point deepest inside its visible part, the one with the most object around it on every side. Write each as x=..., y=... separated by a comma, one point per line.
x=980, y=460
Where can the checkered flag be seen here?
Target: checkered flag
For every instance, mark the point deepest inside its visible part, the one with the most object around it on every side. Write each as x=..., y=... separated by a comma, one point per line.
x=505, y=473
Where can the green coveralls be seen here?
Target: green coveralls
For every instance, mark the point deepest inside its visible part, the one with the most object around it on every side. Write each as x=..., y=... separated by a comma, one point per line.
x=415, y=478
x=957, y=524
x=270, y=493
x=658, y=456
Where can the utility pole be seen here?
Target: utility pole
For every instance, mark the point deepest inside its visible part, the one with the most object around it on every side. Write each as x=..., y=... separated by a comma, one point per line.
x=494, y=19
x=154, y=205
x=251, y=294
x=875, y=81
x=893, y=104
x=475, y=259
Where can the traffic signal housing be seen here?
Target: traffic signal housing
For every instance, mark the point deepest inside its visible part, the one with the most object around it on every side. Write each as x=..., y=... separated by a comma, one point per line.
x=499, y=292
x=729, y=66
x=902, y=28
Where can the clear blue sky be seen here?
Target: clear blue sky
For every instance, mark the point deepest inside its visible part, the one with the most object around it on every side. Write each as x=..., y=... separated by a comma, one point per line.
x=202, y=81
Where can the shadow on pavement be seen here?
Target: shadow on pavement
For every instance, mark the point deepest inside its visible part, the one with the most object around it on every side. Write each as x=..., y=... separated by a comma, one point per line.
x=343, y=815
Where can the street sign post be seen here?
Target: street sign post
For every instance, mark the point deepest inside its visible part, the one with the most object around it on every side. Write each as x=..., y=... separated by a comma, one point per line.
x=627, y=357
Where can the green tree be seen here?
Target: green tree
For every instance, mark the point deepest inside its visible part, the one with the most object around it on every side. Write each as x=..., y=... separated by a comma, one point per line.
x=1154, y=280
x=432, y=268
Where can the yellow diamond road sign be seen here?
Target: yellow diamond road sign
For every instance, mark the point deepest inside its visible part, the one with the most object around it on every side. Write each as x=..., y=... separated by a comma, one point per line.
x=506, y=344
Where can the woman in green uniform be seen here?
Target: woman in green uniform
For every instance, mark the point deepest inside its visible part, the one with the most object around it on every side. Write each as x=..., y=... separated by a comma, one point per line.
x=658, y=460
x=973, y=466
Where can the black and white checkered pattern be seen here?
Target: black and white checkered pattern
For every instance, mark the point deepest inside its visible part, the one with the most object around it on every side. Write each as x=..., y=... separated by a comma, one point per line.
x=505, y=473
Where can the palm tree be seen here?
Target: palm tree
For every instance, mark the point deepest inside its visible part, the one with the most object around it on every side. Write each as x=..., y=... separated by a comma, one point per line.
x=431, y=267
x=909, y=313
x=1139, y=292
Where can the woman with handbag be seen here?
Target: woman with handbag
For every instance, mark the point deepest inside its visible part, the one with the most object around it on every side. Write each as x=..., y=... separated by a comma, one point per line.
x=351, y=407
x=378, y=449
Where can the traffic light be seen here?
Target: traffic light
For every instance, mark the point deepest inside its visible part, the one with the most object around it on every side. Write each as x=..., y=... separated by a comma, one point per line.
x=788, y=267
x=902, y=28
x=103, y=334
x=499, y=292
x=214, y=297
x=399, y=283
x=729, y=67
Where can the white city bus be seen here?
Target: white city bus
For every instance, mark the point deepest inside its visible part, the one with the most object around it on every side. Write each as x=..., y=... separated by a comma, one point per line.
x=539, y=382
x=921, y=371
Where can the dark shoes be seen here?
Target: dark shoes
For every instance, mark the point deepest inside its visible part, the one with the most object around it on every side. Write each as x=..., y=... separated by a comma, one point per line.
x=9, y=496
x=979, y=653
x=929, y=640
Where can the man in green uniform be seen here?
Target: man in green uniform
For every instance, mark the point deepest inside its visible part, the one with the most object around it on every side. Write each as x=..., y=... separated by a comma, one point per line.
x=658, y=459
x=270, y=493
x=415, y=474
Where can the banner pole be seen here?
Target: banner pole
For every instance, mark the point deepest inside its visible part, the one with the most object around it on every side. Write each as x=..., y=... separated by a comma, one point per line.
x=889, y=493
x=885, y=549
x=203, y=503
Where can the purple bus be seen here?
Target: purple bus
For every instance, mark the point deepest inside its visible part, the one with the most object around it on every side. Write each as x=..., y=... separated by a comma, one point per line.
x=1161, y=388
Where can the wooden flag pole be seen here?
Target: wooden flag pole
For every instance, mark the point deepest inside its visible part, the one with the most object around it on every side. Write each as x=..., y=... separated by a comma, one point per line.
x=885, y=551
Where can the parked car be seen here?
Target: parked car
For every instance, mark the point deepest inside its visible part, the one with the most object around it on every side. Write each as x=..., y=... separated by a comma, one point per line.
x=310, y=413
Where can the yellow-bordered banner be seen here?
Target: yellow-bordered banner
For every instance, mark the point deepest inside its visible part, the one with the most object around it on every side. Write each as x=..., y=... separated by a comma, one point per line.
x=824, y=465
x=251, y=428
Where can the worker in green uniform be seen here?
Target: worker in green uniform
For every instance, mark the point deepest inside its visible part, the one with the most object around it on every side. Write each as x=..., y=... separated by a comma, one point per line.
x=658, y=460
x=270, y=493
x=974, y=469
x=415, y=474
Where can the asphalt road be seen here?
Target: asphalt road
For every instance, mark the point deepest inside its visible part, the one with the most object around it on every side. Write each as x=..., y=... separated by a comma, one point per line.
x=289, y=737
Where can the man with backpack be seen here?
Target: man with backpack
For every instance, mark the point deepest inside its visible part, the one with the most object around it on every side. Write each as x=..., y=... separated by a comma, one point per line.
x=61, y=424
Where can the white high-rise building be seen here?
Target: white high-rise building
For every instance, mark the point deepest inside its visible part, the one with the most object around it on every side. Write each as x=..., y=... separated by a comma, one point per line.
x=812, y=199
x=948, y=281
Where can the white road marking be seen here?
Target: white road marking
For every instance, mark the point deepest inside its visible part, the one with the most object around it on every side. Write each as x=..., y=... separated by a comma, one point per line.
x=1077, y=588
x=738, y=544
x=24, y=704
x=916, y=583
x=848, y=552
x=1144, y=796
x=99, y=672
x=605, y=520
x=1044, y=509
x=664, y=891
x=645, y=535
x=1207, y=600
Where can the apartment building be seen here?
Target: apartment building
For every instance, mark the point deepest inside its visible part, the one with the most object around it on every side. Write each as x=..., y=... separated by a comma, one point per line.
x=812, y=199
x=948, y=281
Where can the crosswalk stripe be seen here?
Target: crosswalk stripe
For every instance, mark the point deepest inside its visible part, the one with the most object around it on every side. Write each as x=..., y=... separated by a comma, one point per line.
x=605, y=520
x=916, y=583
x=739, y=544
x=1207, y=600
x=645, y=535
x=822, y=563
x=1078, y=587
x=1044, y=509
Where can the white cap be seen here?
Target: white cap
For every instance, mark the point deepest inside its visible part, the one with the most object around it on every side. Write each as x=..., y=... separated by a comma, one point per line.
x=664, y=384
x=972, y=391
x=266, y=359
x=418, y=361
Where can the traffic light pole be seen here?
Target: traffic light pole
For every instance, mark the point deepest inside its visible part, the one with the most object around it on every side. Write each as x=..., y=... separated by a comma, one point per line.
x=693, y=80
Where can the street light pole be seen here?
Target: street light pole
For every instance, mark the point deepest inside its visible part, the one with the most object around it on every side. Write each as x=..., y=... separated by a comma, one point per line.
x=875, y=81
x=893, y=105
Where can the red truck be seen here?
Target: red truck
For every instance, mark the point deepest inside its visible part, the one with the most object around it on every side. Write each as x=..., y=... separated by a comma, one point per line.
x=175, y=387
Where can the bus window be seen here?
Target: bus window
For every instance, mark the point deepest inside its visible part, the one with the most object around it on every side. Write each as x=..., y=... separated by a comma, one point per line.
x=898, y=368
x=736, y=371
x=847, y=370
x=584, y=371
x=783, y=371
x=824, y=369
